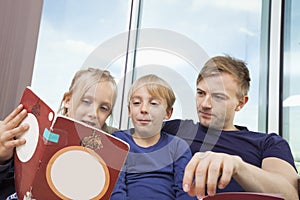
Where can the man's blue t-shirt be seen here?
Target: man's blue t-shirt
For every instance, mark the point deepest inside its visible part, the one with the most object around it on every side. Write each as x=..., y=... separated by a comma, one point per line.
x=251, y=146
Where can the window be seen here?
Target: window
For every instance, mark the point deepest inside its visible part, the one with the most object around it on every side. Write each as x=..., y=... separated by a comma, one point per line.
x=291, y=77
x=70, y=34
x=70, y=38
x=203, y=28
x=173, y=39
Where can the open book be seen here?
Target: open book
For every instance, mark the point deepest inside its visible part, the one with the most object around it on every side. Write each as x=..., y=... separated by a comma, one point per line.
x=64, y=158
x=244, y=196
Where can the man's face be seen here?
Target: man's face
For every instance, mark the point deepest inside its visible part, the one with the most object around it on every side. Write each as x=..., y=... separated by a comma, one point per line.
x=217, y=101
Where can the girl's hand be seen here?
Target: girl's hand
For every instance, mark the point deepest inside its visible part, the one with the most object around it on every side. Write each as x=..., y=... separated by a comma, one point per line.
x=10, y=128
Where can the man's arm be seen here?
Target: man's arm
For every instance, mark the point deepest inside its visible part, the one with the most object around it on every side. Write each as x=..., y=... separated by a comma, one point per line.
x=275, y=176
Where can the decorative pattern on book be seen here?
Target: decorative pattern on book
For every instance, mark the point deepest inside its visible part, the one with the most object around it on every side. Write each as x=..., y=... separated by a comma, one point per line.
x=93, y=141
x=36, y=109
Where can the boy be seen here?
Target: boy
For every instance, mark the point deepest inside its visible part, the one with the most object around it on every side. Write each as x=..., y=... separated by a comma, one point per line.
x=154, y=167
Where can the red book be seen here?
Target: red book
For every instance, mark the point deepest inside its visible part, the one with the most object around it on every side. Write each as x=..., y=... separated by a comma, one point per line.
x=244, y=196
x=64, y=158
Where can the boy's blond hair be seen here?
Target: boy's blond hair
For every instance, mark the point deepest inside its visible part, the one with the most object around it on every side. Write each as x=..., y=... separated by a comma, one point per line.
x=157, y=87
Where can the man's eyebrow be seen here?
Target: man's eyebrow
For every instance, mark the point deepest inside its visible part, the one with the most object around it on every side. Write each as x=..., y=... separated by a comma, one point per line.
x=219, y=93
x=199, y=89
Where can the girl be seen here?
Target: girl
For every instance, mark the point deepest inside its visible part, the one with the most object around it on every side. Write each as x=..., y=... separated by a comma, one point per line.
x=90, y=99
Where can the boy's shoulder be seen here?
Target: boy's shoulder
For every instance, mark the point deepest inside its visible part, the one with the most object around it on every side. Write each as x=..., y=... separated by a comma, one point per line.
x=122, y=134
x=174, y=139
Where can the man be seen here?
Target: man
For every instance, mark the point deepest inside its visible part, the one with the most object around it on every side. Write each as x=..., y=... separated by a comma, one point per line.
x=228, y=157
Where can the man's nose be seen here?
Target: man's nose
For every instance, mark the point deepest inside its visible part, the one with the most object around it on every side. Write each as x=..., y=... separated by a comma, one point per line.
x=206, y=102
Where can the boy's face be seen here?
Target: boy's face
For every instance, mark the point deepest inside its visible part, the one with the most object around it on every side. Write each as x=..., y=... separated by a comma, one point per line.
x=217, y=101
x=147, y=112
x=95, y=106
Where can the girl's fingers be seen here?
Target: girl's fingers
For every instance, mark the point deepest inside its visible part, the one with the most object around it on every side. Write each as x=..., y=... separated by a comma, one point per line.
x=11, y=123
x=13, y=114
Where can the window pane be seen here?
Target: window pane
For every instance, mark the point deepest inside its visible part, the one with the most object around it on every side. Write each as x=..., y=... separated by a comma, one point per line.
x=71, y=32
x=218, y=27
x=291, y=91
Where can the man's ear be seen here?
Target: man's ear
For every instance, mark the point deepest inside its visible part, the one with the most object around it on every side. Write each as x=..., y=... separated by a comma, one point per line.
x=169, y=113
x=242, y=102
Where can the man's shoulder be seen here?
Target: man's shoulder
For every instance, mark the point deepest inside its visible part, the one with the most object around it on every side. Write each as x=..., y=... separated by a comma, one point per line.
x=258, y=134
x=179, y=123
x=186, y=129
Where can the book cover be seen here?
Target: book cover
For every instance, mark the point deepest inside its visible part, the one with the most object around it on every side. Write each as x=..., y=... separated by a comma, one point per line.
x=64, y=158
x=244, y=196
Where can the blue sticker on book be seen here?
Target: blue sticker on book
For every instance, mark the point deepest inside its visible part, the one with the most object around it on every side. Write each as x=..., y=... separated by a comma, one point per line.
x=52, y=137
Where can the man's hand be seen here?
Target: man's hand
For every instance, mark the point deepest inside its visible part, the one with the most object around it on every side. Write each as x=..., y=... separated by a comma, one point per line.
x=203, y=172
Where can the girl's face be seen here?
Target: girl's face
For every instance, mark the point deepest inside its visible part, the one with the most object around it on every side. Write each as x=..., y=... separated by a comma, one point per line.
x=95, y=106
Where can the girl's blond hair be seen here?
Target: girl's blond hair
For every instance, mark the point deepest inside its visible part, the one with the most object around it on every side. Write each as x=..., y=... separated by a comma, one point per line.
x=82, y=81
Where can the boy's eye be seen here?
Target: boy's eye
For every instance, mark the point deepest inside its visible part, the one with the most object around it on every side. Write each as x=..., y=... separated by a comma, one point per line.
x=154, y=102
x=136, y=102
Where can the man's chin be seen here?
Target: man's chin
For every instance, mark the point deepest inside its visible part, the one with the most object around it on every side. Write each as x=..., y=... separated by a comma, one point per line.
x=211, y=124
x=204, y=122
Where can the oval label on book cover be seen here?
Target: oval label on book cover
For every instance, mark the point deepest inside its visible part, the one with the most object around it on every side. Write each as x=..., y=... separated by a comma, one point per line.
x=26, y=151
x=76, y=172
